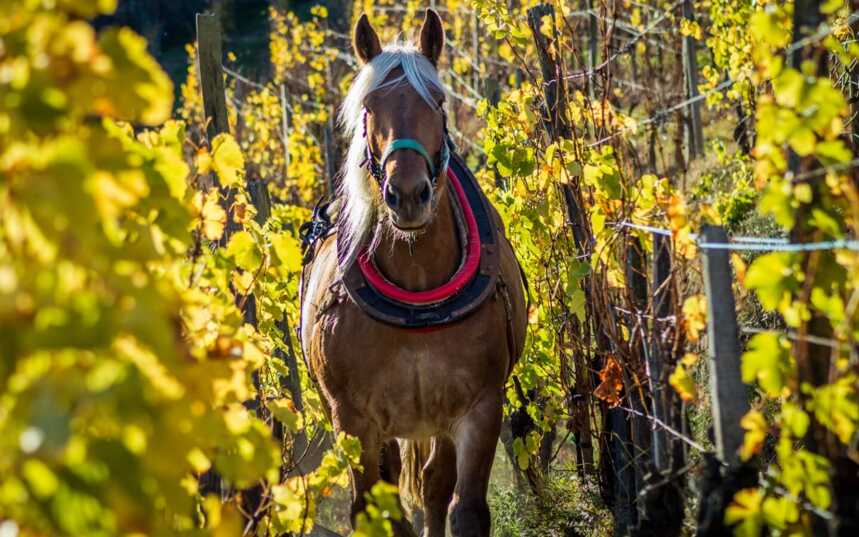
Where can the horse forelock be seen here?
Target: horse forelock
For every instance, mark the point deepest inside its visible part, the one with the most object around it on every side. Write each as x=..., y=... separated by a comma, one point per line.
x=361, y=199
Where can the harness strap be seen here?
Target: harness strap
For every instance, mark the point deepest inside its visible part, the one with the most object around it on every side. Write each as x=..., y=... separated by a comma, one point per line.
x=501, y=287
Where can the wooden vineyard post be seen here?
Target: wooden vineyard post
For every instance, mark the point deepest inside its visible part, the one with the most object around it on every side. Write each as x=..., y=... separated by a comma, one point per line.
x=557, y=125
x=209, y=55
x=729, y=395
x=639, y=400
x=284, y=130
x=695, y=133
x=593, y=34
x=211, y=75
x=617, y=467
x=215, y=113
x=663, y=499
x=656, y=358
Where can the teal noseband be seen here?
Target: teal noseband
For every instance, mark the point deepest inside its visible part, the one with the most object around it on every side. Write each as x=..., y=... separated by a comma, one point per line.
x=414, y=145
x=408, y=143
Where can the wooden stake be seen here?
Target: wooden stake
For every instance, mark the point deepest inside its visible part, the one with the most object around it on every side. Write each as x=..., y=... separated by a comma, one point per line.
x=211, y=74
x=729, y=395
x=657, y=356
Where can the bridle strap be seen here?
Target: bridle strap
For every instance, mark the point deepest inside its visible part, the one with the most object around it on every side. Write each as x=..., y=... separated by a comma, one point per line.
x=377, y=167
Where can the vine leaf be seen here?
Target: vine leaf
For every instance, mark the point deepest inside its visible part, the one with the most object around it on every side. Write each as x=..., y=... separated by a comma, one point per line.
x=769, y=363
x=682, y=381
x=611, y=382
x=227, y=160
x=756, y=432
x=745, y=513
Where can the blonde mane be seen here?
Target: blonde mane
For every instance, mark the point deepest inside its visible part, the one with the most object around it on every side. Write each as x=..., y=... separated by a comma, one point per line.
x=359, y=195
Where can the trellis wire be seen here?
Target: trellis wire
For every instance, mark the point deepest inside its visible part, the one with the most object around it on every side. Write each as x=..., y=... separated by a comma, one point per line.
x=814, y=38
x=796, y=337
x=589, y=73
x=667, y=428
x=659, y=115
x=756, y=244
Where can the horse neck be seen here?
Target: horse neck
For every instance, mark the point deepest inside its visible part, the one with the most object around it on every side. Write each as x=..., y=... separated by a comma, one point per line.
x=430, y=260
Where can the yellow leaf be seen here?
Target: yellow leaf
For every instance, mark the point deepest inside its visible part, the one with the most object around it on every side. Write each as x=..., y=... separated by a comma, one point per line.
x=287, y=250
x=739, y=268
x=284, y=411
x=756, y=431
x=204, y=161
x=694, y=316
x=42, y=480
x=745, y=513
x=242, y=210
x=227, y=160
x=243, y=250
x=199, y=461
x=683, y=383
x=243, y=281
x=212, y=216
x=237, y=419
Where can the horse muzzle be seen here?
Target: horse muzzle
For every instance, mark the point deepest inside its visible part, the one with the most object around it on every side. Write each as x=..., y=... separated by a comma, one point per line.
x=410, y=205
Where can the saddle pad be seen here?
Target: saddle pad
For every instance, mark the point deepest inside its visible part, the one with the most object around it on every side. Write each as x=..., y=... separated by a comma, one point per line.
x=464, y=297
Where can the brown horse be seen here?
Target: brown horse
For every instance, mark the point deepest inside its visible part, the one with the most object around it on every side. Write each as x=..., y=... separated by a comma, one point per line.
x=438, y=392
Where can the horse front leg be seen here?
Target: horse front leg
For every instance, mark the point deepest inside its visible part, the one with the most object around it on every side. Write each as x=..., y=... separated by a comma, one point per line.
x=475, y=436
x=438, y=482
x=365, y=476
x=369, y=473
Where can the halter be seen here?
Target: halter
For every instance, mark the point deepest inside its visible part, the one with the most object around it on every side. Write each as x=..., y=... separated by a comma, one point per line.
x=377, y=167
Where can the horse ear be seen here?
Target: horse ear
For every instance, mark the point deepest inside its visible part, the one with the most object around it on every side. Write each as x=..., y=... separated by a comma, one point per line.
x=365, y=41
x=432, y=36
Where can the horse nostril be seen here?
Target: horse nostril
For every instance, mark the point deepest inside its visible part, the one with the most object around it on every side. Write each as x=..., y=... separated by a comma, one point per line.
x=392, y=197
x=424, y=195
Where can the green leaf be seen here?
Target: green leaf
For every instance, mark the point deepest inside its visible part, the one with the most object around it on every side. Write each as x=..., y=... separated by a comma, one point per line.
x=794, y=420
x=243, y=251
x=768, y=362
x=803, y=141
x=284, y=411
x=141, y=90
x=773, y=277
x=767, y=28
x=777, y=200
x=788, y=87
x=836, y=407
x=831, y=305
x=523, y=458
x=43, y=482
x=833, y=152
x=287, y=251
x=780, y=512
x=825, y=222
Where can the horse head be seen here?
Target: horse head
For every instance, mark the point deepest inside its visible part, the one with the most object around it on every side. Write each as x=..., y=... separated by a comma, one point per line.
x=394, y=111
x=406, y=135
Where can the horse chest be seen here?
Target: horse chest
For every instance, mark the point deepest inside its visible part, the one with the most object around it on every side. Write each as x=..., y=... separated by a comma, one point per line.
x=409, y=383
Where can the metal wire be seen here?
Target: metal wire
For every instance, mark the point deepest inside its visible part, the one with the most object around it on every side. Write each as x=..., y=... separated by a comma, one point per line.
x=755, y=244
